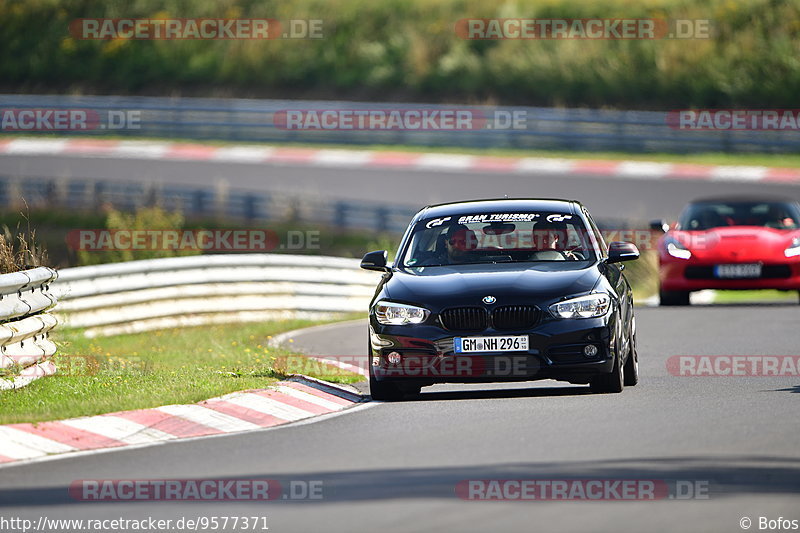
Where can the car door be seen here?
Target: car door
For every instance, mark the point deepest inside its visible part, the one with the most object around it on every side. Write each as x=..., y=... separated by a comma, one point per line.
x=614, y=274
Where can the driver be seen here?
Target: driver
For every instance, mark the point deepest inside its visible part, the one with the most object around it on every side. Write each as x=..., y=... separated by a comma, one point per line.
x=459, y=240
x=551, y=240
x=779, y=218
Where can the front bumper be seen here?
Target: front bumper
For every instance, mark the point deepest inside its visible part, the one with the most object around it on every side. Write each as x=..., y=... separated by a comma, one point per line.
x=556, y=351
x=694, y=275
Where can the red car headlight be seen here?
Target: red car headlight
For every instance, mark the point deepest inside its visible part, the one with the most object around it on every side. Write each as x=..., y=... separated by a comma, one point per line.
x=794, y=249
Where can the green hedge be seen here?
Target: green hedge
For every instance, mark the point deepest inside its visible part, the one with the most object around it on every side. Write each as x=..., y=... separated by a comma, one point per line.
x=408, y=50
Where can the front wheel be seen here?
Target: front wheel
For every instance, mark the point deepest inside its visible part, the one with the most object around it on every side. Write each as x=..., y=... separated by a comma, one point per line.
x=674, y=297
x=609, y=383
x=384, y=391
x=631, y=368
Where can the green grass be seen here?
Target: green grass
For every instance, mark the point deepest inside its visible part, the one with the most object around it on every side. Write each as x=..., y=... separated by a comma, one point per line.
x=408, y=50
x=157, y=368
x=642, y=274
x=723, y=297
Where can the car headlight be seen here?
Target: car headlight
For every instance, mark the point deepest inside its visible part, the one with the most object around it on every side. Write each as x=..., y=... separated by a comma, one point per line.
x=394, y=314
x=794, y=249
x=589, y=306
x=676, y=249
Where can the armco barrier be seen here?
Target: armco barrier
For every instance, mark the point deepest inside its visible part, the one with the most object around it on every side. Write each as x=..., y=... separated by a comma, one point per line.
x=244, y=120
x=25, y=347
x=196, y=290
x=197, y=201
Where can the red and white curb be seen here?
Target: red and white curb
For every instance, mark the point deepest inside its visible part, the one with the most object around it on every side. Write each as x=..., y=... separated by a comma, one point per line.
x=260, y=154
x=287, y=401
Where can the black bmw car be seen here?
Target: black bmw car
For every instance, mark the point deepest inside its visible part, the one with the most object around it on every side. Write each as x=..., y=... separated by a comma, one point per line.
x=502, y=290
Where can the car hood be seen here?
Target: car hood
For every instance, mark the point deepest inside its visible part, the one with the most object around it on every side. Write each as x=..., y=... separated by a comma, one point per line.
x=737, y=243
x=444, y=286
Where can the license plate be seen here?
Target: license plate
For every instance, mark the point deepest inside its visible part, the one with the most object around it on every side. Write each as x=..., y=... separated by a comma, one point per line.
x=738, y=271
x=513, y=343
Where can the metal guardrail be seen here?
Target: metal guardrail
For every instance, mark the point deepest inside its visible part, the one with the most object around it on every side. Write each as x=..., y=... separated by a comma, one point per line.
x=251, y=207
x=25, y=346
x=195, y=201
x=197, y=290
x=544, y=128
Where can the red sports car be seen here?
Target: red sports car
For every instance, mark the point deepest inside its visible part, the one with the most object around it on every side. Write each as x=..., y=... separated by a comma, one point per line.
x=730, y=243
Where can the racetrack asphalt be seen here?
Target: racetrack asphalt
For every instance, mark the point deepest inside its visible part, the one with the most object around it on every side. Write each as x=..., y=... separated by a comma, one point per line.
x=631, y=198
x=395, y=466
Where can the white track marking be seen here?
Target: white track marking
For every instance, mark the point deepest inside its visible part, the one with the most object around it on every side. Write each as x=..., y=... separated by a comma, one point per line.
x=143, y=150
x=310, y=398
x=731, y=173
x=444, y=162
x=642, y=169
x=36, y=146
x=538, y=165
x=117, y=428
x=243, y=154
x=268, y=406
x=208, y=417
x=19, y=444
x=341, y=158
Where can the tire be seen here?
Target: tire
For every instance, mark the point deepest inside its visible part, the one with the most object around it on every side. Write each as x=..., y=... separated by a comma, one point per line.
x=610, y=383
x=384, y=391
x=670, y=298
x=631, y=369
x=410, y=390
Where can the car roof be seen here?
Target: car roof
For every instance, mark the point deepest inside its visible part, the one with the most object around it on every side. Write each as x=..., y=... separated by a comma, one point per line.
x=744, y=199
x=500, y=205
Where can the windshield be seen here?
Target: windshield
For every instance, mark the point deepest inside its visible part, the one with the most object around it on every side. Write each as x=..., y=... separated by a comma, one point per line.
x=708, y=215
x=498, y=238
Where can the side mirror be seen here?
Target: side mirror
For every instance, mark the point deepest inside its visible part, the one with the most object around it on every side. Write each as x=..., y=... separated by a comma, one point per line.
x=622, y=251
x=375, y=261
x=659, y=225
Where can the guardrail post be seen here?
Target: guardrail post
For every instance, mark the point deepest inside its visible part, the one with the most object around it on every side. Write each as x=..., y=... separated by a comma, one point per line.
x=14, y=194
x=727, y=142
x=98, y=194
x=250, y=207
x=221, y=196
x=340, y=215
x=60, y=190
x=199, y=201
x=382, y=218
x=152, y=196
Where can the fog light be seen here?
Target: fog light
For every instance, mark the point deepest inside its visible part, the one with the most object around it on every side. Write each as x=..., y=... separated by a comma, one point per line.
x=393, y=358
x=590, y=350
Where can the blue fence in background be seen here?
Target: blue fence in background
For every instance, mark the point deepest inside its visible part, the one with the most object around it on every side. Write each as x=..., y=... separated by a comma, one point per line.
x=242, y=120
x=221, y=203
